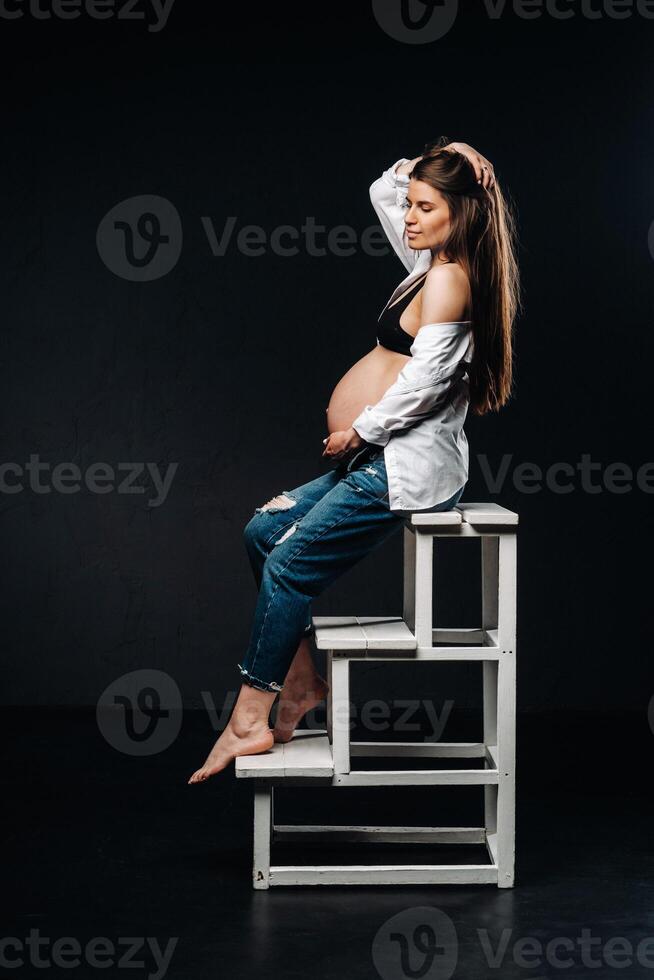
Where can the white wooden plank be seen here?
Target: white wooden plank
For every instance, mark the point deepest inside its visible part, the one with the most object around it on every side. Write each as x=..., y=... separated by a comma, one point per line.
x=262, y=834
x=442, y=518
x=416, y=777
x=506, y=710
x=308, y=754
x=457, y=653
x=387, y=633
x=408, y=874
x=328, y=706
x=489, y=581
x=507, y=592
x=431, y=750
x=338, y=633
x=458, y=634
x=378, y=834
x=269, y=763
x=409, y=580
x=340, y=697
x=422, y=653
x=486, y=513
x=424, y=588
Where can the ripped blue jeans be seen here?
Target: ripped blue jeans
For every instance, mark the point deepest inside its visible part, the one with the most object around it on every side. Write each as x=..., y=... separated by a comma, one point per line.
x=301, y=543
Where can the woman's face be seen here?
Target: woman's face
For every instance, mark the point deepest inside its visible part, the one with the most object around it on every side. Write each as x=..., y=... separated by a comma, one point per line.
x=427, y=217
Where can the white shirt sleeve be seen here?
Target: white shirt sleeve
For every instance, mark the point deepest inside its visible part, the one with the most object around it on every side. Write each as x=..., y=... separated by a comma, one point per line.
x=438, y=362
x=388, y=196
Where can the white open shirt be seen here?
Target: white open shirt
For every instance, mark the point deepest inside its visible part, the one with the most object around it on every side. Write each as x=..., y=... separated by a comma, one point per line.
x=419, y=419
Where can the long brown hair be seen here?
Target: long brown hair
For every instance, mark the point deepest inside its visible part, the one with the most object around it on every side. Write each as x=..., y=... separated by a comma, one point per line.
x=483, y=240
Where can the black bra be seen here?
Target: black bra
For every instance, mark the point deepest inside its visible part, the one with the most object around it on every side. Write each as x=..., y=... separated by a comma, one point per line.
x=389, y=332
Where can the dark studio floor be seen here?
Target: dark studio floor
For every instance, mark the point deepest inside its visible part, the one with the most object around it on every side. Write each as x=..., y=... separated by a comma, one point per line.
x=100, y=844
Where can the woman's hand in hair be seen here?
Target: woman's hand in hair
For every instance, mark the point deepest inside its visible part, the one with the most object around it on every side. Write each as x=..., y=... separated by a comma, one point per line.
x=338, y=444
x=484, y=170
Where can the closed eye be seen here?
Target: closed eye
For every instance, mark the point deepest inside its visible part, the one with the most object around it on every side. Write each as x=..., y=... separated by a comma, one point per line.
x=407, y=204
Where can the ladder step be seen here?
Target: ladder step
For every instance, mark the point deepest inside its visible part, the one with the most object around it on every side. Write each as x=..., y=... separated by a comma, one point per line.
x=363, y=633
x=307, y=754
x=384, y=874
x=487, y=514
x=402, y=835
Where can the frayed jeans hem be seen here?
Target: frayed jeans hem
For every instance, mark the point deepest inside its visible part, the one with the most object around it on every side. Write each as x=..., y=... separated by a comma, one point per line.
x=256, y=682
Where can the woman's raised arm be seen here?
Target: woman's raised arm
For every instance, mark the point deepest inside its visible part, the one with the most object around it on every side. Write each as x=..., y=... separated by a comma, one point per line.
x=388, y=196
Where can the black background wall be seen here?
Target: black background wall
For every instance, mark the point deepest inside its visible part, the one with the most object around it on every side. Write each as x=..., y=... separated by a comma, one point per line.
x=222, y=366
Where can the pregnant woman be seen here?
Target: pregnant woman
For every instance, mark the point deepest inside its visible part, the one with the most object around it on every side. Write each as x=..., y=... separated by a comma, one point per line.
x=395, y=423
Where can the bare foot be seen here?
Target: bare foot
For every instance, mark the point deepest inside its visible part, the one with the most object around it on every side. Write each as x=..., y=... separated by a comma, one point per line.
x=229, y=745
x=295, y=700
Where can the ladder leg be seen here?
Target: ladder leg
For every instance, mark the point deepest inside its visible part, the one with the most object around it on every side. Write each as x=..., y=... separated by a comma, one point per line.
x=490, y=738
x=409, y=598
x=506, y=710
x=490, y=549
x=330, y=680
x=489, y=600
x=262, y=833
x=339, y=696
x=424, y=568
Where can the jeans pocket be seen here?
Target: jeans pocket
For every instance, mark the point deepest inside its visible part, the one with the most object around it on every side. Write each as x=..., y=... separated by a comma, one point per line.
x=370, y=478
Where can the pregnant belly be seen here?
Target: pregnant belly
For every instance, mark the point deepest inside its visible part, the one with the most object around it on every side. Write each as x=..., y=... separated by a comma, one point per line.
x=364, y=384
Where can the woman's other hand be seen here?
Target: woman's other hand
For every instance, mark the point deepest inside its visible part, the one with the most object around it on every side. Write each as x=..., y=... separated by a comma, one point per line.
x=338, y=444
x=483, y=168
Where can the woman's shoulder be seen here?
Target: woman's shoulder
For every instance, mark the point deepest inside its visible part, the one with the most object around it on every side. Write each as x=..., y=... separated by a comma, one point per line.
x=447, y=274
x=446, y=293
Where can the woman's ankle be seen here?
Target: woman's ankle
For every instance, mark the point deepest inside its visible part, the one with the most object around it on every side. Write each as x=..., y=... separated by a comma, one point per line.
x=247, y=723
x=305, y=682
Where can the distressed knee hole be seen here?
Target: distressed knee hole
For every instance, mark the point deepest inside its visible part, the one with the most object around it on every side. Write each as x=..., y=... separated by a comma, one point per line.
x=287, y=534
x=281, y=502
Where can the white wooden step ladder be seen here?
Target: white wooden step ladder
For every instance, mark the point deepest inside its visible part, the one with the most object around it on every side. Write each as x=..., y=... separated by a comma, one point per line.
x=323, y=758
